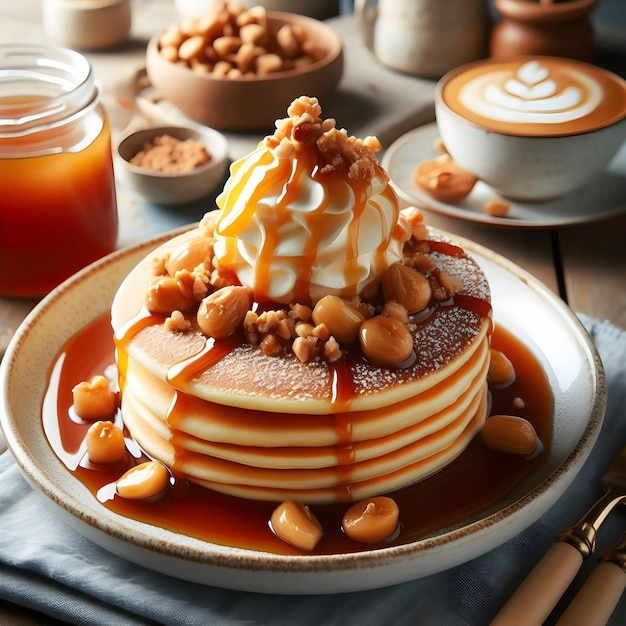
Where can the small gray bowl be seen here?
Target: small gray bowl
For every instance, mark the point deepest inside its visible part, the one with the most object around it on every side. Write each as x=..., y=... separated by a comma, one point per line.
x=173, y=188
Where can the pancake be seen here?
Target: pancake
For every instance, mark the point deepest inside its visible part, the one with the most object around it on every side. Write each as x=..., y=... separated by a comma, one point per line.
x=330, y=424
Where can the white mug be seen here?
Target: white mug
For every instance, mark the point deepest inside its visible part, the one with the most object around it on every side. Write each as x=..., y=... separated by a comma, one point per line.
x=424, y=37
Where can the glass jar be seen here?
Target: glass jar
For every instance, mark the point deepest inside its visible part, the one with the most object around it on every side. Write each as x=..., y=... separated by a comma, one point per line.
x=58, y=209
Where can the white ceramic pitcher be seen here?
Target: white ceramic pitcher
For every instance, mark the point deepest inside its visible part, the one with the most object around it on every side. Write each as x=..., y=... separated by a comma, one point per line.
x=424, y=37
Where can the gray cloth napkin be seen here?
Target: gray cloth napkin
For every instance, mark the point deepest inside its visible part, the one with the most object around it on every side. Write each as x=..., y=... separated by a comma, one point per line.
x=47, y=566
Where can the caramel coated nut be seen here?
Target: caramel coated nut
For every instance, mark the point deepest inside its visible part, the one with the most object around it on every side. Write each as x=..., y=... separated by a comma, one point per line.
x=105, y=443
x=371, y=521
x=189, y=255
x=296, y=525
x=497, y=208
x=221, y=313
x=396, y=311
x=143, y=481
x=407, y=286
x=501, y=370
x=385, y=341
x=341, y=318
x=94, y=400
x=510, y=434
x=443, y=179
x=164, y=296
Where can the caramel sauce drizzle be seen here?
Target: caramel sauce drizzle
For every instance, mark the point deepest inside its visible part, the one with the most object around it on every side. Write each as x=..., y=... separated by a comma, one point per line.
x=212, y=352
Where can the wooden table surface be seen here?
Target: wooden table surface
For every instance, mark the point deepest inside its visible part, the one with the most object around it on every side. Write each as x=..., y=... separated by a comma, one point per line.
x=585, y=264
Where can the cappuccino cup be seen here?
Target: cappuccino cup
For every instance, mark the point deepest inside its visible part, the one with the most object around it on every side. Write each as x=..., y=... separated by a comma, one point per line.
x=424, y=37
x=533, y=128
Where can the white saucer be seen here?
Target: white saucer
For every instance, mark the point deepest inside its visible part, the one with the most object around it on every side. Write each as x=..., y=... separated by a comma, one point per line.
x=605, y=197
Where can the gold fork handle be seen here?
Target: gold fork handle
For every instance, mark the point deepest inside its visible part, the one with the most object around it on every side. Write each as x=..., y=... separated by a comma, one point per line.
x=535, y=598
x=597, y=598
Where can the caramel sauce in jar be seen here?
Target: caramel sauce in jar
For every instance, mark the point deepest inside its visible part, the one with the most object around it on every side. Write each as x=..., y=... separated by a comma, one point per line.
x=474, y=484
x=58, y=208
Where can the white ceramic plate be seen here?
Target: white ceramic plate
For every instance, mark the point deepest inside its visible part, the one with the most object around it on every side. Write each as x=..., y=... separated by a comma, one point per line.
x=521, y=304
x=603, y=198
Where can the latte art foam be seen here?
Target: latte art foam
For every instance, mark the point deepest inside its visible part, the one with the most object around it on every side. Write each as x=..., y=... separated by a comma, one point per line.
x=544, y=96
x=532, y=95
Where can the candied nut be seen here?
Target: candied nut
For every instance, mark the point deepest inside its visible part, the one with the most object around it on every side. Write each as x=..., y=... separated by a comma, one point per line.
x=321, y=332
x=396, y=311
x=191, y=48
x=501, y=370
x=144, y=481
x=251, y=33
x=164, y=296
x=105, y=442
x=304, y=329
x=407, y=286
x=177, y=321
x=94, y=400
x=342, y=319
x=171, y=36
x=225, y=46
x=222, y=68
x=301, y=311
x=170, y=53
x=268, y=63
x=245, y=57
x=188, y=255
x=284, y=329
x=415, y=219
x=450, y=283
x=332, y=351
x=305, y=348
x=385, y=341
x=296, y=525
x=497, y=208
x=443, y=179
x=257, y=14
x=221, y=313
x=271, y=345
x=371, y=521
x=511, y=434
x=423, y=262
x=440, y=293
x=288, y=41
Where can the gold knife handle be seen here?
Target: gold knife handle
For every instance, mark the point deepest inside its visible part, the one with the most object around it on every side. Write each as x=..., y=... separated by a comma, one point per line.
x=537, y=596
x=597, y=598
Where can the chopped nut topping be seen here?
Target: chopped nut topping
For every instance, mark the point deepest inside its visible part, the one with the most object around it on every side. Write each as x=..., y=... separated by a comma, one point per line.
x=338, y=151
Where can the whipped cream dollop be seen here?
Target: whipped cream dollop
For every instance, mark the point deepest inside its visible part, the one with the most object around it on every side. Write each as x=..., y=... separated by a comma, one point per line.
x=533, y=94
x=308, y=213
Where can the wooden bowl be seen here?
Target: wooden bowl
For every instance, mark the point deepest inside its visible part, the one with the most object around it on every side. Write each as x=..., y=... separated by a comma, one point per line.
x=249, y=103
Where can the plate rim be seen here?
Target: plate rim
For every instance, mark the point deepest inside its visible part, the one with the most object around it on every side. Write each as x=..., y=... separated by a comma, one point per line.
x=200, y=553
x=422, y=201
